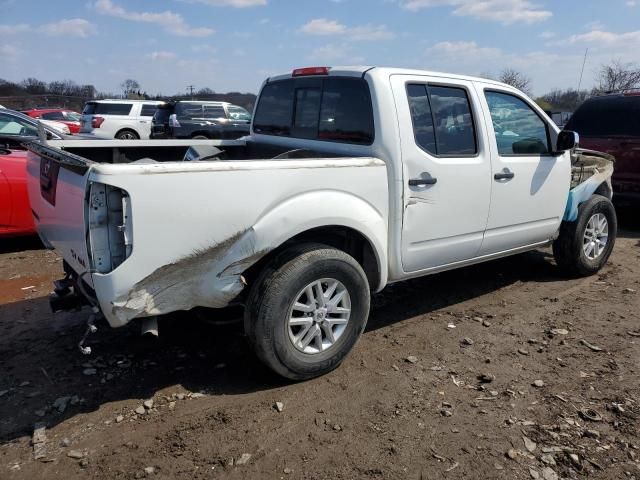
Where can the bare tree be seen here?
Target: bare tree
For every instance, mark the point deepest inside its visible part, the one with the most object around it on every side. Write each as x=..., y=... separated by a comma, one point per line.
x=129, y=86
x=516, y=79
x=34, y=86
x=618, y=76
x=566, y=100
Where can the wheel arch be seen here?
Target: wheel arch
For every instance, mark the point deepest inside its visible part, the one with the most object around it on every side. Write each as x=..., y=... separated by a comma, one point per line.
x=339, y=220
x=127, y=129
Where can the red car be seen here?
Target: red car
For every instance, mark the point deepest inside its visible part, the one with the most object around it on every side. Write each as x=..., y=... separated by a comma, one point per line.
x=15, y=212
x=70, y=118
x=611, y=124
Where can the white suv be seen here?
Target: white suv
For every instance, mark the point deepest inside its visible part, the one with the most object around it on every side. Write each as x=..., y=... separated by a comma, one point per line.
x=121, y=119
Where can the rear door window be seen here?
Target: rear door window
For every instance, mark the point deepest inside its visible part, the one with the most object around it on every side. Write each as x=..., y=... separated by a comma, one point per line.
x=189, y=110
x=442, y=120
x=112, y=108
x=148, y=110
x=607, y=117
x=212, y=112
x=334, y=109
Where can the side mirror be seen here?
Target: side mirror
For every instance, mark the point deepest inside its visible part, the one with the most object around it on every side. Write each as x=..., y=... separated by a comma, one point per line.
x=567, y=140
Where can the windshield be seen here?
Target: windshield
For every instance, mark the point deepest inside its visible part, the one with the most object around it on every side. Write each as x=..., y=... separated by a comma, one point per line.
x=73, y=116
x=238, y=113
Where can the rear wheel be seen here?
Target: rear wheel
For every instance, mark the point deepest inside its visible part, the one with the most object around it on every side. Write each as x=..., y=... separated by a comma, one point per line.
x=200, y=137
x=307, y=310
x=127, y=135
x=584, y=246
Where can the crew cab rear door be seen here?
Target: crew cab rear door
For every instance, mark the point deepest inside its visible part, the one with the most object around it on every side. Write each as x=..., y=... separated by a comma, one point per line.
x=446, y=170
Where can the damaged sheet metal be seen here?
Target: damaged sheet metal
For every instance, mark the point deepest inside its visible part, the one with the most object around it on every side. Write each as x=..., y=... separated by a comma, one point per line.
x=209, y=278
x=590, y=170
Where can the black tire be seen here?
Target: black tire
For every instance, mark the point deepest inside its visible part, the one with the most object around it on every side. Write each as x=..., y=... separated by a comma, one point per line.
x=273, y=293
x=568, y=248
x=127, y=134
x=200, y=137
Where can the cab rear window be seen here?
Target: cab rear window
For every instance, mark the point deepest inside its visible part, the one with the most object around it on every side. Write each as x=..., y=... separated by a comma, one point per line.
x=329, y=109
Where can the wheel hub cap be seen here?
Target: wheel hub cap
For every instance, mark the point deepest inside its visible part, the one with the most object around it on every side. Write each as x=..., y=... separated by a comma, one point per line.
x=596, y=236
x=319, y=316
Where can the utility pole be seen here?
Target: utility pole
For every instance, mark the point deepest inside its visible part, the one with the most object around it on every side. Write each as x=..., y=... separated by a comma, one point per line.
x=190, y=88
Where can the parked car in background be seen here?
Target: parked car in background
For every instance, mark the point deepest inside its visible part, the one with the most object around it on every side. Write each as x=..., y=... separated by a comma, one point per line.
x=121, y=119
x=16, y=128
x=200, y=119
x=15, y=211
x=57, y=126
x=560, y=118
x=70, y=118
x=611, y=124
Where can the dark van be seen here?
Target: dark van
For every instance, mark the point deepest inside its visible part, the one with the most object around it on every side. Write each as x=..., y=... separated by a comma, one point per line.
x=198, y=119
x=611, y=124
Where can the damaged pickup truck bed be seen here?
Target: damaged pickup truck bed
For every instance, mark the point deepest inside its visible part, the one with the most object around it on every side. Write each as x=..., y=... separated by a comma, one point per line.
x=351, y=179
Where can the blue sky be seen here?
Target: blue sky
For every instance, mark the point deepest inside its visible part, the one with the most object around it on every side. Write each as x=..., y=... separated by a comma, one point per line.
x=232, y=45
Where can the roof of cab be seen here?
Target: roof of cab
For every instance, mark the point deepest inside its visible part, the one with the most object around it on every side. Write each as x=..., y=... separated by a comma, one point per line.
x=361, y=70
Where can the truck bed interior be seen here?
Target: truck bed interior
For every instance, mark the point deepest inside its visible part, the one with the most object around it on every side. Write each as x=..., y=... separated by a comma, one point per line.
x=165, y=152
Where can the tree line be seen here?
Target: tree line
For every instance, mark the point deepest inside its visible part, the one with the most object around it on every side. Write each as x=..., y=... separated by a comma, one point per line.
x=32, y=92
x=613, y=77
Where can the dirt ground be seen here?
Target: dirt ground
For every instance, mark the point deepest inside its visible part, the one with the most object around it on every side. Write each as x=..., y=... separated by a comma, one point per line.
x=442, y=384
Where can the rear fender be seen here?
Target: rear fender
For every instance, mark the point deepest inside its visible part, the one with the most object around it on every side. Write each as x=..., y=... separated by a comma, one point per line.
x=322, y=209
x=213, y=277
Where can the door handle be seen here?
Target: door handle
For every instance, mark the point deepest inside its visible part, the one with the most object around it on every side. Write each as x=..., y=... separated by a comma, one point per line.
x=421, y=182
x=506, y=174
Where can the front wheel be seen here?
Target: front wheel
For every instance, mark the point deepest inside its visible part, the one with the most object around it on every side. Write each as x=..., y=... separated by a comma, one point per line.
x=307, y=310
x=584, y=246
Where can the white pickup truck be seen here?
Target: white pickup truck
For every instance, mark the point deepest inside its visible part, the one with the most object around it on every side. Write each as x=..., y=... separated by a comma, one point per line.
x=351, y=179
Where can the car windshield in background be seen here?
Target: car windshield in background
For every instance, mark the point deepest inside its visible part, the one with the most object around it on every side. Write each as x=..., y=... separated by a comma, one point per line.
x=107, y=108
x=238, y=113
x=335, y=109
x=607, y=117
x=13, y=125
x=73, y=116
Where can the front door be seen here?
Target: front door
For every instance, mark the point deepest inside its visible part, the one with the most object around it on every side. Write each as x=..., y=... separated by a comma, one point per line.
x=530, y=183
x=446, y=171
